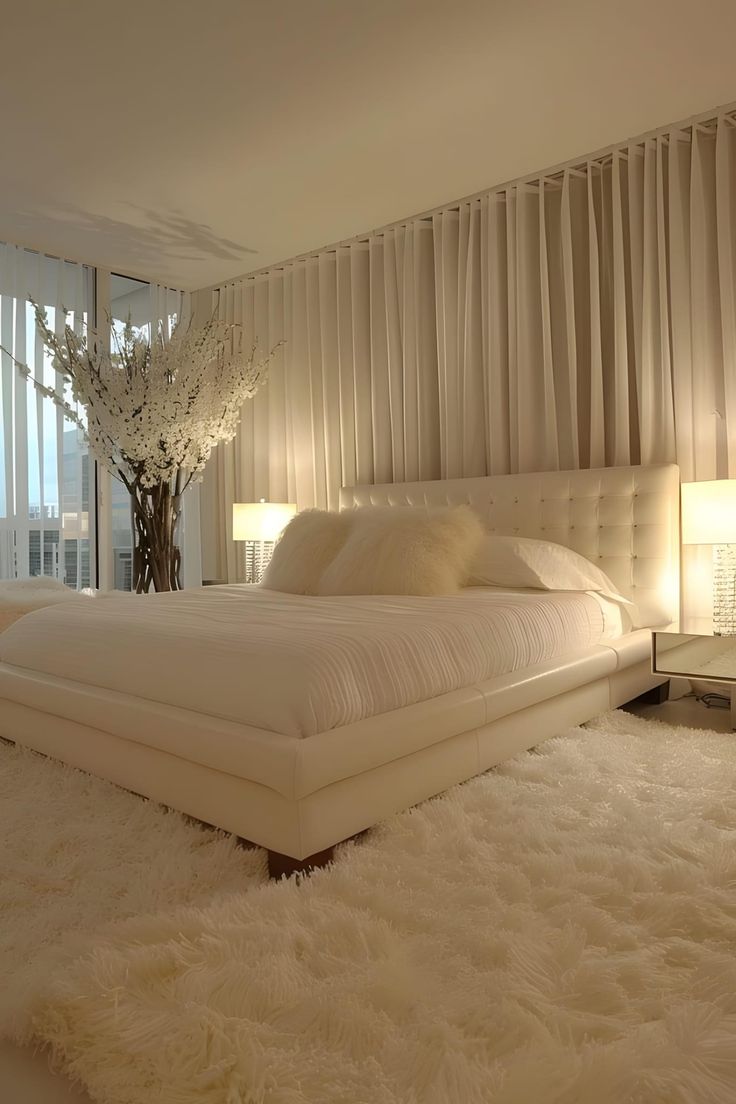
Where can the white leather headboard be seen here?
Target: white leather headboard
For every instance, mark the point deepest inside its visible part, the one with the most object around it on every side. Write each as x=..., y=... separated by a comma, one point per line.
x=626, y=520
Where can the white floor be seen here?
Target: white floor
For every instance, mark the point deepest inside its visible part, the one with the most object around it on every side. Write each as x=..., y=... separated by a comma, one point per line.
x=689, y=712
x=24, y=1075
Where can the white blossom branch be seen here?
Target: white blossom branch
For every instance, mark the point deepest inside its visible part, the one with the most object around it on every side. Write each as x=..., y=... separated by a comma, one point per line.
x=155, y=408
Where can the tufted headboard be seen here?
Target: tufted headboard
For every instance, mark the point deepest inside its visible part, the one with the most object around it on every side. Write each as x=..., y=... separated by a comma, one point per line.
x=625, y=520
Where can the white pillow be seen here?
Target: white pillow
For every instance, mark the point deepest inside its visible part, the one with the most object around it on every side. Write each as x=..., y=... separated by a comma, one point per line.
x=405, y=550
x=307, y=545
x=523, y=562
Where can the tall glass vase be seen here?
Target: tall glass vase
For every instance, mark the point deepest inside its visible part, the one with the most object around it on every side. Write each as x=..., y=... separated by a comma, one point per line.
x=156, y=555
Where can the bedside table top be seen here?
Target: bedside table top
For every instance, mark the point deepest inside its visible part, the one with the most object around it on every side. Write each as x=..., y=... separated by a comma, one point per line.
x=689, y=626
x=693, y=654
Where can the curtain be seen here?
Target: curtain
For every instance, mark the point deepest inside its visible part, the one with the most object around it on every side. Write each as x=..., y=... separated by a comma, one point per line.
x=46, y=509
x=581, y=319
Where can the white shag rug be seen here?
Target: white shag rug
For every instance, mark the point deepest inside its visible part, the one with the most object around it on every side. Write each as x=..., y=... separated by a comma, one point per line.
x=77, y=853
x=559, y=931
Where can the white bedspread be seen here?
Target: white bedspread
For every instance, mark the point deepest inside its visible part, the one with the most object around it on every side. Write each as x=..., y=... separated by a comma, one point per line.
x=301, y=665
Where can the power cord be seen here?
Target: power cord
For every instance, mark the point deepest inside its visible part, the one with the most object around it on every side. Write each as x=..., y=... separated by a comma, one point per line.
x=714, y=701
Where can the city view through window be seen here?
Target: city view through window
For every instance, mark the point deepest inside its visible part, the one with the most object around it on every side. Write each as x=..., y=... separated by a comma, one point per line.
x=60, y=548
x=47, y=479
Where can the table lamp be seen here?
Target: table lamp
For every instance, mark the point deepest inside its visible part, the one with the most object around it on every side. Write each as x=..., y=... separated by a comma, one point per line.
x=709, y=517
x=259, y=524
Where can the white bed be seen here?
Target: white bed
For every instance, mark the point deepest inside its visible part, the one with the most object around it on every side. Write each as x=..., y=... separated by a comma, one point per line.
x=296, y=722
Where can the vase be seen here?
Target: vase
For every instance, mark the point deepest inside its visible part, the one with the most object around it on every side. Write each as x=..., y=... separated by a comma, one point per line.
x=156, y=554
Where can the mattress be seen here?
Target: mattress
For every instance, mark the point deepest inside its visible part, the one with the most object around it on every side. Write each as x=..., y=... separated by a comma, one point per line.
x=300, y=665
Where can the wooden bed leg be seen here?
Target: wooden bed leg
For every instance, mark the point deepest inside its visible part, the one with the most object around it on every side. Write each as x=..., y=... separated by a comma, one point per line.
x=658, y=695
x=283, y=866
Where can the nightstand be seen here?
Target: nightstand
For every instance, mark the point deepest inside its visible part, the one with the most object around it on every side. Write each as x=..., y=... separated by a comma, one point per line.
x=690, y=650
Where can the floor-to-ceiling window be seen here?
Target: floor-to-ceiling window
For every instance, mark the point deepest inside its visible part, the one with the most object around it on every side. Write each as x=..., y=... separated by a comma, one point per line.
x=47, y=500
x=49, y=485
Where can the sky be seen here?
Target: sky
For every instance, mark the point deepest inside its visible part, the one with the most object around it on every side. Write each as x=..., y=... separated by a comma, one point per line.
x=48, y=428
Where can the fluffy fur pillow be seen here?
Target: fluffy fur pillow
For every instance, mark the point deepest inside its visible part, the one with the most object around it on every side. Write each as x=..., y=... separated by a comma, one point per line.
x=306, y=547
x=392, y=550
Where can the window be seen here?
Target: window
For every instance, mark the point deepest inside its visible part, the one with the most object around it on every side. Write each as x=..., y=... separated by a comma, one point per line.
x=46, y=481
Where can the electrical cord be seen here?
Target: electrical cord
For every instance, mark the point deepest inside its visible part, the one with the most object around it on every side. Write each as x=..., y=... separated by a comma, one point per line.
x=714, y=701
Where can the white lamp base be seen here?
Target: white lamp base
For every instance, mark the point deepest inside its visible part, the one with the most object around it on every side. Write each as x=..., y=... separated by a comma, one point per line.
x=724, y=589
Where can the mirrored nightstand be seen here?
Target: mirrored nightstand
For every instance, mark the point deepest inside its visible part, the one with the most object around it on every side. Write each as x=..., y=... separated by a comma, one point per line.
x=690, y=650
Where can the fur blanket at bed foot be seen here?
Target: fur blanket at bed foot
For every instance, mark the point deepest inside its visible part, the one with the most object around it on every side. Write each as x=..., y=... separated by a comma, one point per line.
x=21, y=596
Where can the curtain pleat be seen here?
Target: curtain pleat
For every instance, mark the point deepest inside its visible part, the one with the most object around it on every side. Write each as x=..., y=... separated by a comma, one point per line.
x=579, y=320
x=725, y=174
x=497, y=338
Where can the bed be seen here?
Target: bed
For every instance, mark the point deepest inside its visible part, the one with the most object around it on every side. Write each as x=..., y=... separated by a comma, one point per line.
x=297, y=722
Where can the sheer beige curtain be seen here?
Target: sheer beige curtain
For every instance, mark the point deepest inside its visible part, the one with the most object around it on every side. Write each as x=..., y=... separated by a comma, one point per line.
x=581, y=319
x=353, y=391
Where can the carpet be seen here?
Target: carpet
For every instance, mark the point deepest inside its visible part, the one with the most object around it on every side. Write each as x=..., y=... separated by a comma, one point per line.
x=560, y=930
x=77, y=853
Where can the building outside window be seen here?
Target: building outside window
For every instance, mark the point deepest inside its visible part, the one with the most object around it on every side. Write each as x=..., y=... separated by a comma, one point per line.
x=48, y=482
x=46, y=497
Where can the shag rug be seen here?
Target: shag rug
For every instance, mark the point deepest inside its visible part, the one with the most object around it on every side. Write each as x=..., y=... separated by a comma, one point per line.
x=561, y=929
x=77, y=853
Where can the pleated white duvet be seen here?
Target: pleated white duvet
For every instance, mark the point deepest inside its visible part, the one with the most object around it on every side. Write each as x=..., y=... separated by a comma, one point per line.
x=299, y=665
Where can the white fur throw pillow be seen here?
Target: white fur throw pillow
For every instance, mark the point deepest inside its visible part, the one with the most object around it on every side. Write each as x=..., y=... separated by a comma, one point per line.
x=306, y=547
x=405, y=550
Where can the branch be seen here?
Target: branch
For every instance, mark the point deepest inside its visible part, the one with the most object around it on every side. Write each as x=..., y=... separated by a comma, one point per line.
x=47, y=392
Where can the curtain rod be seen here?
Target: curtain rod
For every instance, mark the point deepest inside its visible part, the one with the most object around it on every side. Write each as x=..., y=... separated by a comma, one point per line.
x=705, y=121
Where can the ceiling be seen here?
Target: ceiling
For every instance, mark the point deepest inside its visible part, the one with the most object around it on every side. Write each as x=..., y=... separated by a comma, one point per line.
x=191, y=142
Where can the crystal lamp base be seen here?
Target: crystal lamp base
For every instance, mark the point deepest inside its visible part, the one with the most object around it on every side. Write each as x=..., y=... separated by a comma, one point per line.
x=724, y=589
x=257, y=557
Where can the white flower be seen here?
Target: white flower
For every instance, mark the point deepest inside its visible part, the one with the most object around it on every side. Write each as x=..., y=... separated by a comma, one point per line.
x=155, y=410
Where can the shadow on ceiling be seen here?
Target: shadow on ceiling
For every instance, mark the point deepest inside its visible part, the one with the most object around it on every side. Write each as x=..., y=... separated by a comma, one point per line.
x=151, y=237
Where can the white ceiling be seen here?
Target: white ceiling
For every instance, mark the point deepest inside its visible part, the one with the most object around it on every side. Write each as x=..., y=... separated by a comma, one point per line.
x=191, y=141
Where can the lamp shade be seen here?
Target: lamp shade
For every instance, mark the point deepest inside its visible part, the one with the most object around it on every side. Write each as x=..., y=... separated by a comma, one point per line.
x=709, y=512
x=260, y=521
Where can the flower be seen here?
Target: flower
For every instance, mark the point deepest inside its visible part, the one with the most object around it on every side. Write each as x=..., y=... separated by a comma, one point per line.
x=155, y=409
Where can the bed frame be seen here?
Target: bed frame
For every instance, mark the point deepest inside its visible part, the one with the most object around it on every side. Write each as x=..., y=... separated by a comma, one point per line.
x=299, y=797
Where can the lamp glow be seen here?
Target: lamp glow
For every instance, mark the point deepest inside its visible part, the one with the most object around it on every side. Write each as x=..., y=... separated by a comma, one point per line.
x=709, y=512
x=261, y=521
x=259, y=524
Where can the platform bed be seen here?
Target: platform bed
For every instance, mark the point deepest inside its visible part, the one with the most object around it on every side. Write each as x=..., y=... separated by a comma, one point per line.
x=299, y=796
